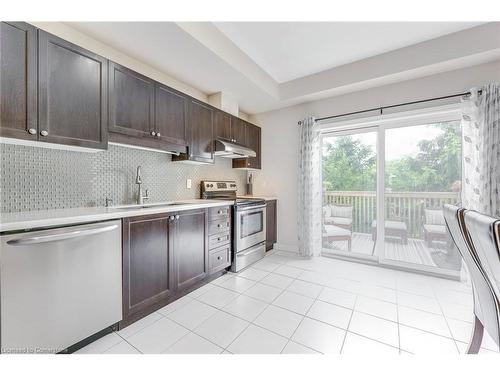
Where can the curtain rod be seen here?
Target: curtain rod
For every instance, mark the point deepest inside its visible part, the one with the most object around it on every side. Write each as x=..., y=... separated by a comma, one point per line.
x=381, y=109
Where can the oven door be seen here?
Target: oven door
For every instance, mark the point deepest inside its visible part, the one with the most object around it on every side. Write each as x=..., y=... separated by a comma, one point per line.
x=250, y=226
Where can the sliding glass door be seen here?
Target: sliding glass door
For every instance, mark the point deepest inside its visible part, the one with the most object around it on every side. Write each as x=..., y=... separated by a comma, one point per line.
x=384, y=187
x=349, y=176
x=423, y=171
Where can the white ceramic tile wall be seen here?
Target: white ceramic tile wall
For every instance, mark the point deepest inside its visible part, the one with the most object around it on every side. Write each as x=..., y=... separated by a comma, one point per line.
x=34, y=178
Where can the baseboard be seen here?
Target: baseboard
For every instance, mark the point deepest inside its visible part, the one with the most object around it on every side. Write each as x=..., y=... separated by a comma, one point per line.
x=285, y=247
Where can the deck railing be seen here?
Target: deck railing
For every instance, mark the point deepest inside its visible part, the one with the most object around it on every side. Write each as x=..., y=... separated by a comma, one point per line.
x=401, y=206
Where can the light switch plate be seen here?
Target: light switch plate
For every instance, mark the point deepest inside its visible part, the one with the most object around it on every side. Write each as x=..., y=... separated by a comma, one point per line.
x=188, y=183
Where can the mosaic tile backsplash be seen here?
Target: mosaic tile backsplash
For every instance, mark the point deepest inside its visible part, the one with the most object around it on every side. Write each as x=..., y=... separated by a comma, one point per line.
x=34, y=178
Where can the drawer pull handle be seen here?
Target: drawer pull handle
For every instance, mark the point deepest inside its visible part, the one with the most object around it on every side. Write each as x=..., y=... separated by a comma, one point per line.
x=218, y=239
x=219, y=258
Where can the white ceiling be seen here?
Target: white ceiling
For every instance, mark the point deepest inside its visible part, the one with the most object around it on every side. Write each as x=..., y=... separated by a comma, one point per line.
x=290, y=50
x=265, y=66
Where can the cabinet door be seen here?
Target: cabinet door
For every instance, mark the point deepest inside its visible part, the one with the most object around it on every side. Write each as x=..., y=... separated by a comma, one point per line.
x=72, y=94
x=131, y=103
x=190, y=246
x=271, y=224
x=222, y=125
x=253, y=140
x=147, y=264
x=170, y=115
x=238, y=130
x=18, y=82
x=201, y=132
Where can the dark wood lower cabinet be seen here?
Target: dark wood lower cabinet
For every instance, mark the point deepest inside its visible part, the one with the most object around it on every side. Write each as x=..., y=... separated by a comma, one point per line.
x=147, y=265
x=271, y=224
x=190, y=240
x=166, y=256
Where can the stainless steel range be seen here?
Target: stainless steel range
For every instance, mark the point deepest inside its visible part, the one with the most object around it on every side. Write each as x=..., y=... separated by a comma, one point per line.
x=249, y=222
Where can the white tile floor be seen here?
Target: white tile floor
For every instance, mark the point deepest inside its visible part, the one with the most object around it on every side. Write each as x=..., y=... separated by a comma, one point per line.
x=286, y=304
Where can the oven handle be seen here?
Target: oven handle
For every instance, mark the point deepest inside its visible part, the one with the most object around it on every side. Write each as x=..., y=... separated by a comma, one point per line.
x=251, y=208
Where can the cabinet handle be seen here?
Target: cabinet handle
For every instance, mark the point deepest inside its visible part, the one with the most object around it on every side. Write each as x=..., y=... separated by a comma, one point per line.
x=153, y=133
x=32, y=131
x=219, y=212
x=219, y=258
x=171, y=218
x=44, y=133
x=218, y=239
x=176, y=217
x=158, y=134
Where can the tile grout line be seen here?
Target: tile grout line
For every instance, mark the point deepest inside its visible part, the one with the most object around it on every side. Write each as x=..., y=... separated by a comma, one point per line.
x=349, y=323
x=268, y=304
x=446, y=321
x=303, y=318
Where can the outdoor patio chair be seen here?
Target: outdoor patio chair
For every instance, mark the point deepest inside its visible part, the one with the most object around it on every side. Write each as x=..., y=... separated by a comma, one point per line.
x=392, y=229
x=435, y=226
x=332, y=233
x=339, y=215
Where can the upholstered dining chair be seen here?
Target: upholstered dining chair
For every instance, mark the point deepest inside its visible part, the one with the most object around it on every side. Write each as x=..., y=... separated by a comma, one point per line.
x=484, y=233
x=486, y=314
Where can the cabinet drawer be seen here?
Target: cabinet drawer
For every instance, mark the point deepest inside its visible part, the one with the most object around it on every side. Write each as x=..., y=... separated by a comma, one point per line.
x=219, y=259
x=218, y=239
x=217, y=213
x=219, y=226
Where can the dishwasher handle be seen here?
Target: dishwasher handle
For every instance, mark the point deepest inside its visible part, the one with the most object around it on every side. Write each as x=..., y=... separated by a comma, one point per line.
x=61, y=236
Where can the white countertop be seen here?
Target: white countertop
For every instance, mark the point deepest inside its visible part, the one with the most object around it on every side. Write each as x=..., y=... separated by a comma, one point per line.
x=267, y=198
x=68, y=216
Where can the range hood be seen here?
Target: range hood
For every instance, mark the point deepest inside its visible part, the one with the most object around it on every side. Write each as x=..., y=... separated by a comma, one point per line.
x=231, y=150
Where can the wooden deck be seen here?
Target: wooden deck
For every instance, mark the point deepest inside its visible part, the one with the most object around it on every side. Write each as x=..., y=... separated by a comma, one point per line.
x=415, y=252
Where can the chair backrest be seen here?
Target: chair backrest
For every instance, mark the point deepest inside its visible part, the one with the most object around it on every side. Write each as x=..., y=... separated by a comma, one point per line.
x=434, y=216
x=485, y=302
x=342, y=210
x=483, y=231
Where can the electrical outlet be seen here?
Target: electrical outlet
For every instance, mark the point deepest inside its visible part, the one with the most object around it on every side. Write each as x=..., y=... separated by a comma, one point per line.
x=188, y=183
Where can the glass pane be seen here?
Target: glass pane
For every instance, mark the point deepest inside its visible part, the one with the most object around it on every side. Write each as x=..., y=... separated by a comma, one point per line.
x=349, y=172
x=251, y=223
x=422, y=173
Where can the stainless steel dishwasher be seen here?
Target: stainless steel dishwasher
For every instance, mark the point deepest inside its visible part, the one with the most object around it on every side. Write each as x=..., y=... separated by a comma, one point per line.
x=59, y=286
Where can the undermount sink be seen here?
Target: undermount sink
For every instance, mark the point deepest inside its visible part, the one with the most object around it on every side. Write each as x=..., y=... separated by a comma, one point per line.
x=151, y=205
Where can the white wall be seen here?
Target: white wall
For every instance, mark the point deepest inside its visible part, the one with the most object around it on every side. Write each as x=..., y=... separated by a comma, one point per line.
x=280, y=132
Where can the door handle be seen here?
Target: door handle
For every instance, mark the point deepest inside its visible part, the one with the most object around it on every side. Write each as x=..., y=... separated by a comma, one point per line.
x=61, y=236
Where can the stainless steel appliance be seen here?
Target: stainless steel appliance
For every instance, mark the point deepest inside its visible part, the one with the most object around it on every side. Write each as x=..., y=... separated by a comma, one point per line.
x=249, y=222
x=230, y=149
x=59, y=286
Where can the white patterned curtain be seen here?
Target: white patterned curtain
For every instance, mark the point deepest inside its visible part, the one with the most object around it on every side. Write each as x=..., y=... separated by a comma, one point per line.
x=309, y=209
x=481, y=150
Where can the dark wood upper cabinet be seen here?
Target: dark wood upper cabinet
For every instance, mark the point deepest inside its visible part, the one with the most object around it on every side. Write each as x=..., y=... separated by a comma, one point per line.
x=18, y=82
x=170, y=115
x=72, y=94
x=222, y=125
x=238, y=130
x=147, y=265
x=190, y=244
x=271, y=224
x=253, y=141
x=131, y=103
x=201, y=133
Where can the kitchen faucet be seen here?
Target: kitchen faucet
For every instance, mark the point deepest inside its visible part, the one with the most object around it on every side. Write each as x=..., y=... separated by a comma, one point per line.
x=138, y=180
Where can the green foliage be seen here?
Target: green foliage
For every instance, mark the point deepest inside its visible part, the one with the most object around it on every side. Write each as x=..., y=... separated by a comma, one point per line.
x=350, y=165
